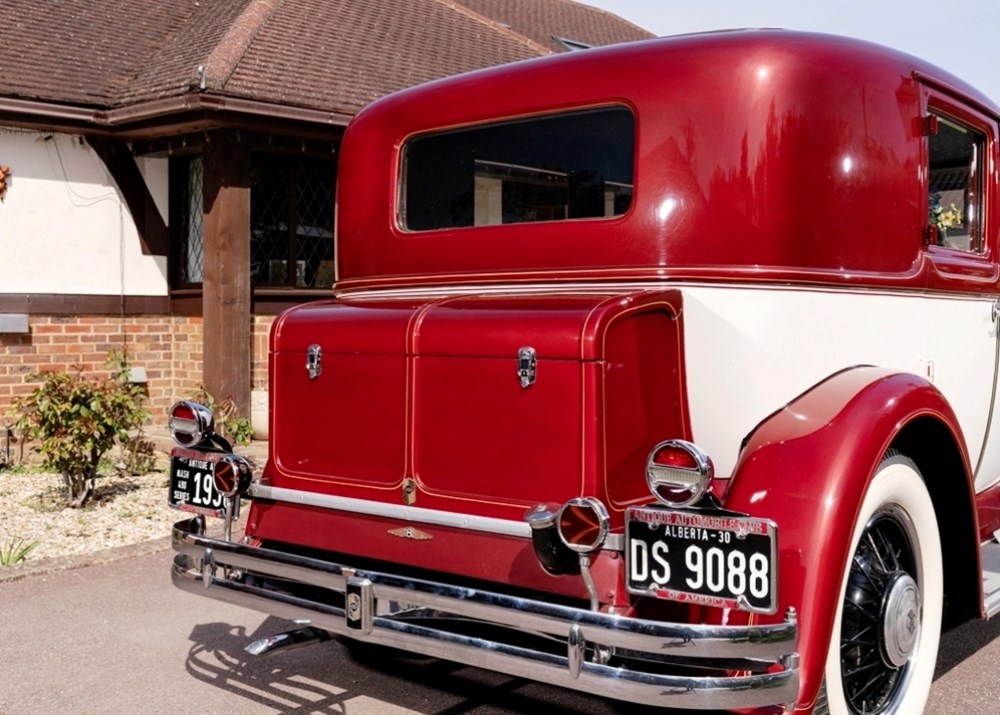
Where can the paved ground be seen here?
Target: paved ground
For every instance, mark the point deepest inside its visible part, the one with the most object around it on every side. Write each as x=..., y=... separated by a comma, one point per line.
x=116, y=637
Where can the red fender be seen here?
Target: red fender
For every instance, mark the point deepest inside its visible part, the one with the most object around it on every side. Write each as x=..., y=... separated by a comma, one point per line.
x=807, y=467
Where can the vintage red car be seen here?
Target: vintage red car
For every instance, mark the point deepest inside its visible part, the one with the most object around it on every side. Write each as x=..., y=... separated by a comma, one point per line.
x=664, y=371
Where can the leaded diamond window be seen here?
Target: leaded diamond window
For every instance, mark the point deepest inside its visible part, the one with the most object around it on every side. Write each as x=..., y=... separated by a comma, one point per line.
x=291, y=222
x=192, y=219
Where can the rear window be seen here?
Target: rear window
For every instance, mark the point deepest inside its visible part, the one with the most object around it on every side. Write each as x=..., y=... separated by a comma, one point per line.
x=576, y=165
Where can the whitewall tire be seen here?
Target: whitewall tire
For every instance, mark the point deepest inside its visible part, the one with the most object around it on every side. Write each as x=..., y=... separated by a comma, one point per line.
x=888, y=624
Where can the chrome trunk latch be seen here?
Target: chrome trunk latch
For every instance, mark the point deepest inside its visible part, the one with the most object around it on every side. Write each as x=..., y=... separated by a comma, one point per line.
x=527, y=366
x=314, y=361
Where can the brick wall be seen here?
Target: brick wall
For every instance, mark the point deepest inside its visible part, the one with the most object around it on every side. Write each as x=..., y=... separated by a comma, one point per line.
x=261, y=335
x=169, y=348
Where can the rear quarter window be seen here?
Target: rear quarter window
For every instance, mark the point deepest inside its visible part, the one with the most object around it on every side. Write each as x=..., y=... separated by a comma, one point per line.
x=576, y=165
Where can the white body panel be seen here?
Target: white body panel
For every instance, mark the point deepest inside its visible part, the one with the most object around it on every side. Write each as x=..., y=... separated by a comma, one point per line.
x=64, y=225
x=752, y=349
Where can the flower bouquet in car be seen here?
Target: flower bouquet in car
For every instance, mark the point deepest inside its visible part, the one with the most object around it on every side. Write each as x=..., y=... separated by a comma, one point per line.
x=941, y=218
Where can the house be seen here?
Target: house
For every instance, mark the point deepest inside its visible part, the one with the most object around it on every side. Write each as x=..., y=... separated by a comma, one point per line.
x=172, y=165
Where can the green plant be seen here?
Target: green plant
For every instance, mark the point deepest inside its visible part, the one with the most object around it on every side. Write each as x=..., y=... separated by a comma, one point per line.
x=228, y=421
x=136, y=454
x=16, y=551
x=77, y=420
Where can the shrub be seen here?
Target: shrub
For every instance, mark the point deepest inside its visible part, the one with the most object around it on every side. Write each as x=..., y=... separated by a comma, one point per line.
x=76, y=421
x=231, y=425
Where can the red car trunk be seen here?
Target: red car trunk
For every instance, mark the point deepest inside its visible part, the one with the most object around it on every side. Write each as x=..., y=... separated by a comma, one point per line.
x=421, y=401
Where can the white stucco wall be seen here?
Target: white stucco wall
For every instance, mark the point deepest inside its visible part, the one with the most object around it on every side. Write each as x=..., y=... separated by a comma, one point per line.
x=64, y=226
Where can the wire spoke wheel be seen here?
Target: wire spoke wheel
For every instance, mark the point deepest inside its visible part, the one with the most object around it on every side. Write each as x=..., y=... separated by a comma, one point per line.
x=886, y=633
x=881, y=616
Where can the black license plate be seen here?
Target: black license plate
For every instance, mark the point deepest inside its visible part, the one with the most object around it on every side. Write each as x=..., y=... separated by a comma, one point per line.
x=192, y=487
x=710, y=560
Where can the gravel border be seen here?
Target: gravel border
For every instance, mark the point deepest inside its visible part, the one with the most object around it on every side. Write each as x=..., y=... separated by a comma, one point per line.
x=127, y=516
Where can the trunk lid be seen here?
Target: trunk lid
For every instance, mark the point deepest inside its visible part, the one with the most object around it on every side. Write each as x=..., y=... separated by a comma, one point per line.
x=422, y=400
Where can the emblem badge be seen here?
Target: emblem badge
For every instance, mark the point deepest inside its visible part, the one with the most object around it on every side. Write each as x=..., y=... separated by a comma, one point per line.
x=408, y=532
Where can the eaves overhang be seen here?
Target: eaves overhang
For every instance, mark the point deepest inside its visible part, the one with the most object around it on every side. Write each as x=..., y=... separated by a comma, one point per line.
x=165, y=116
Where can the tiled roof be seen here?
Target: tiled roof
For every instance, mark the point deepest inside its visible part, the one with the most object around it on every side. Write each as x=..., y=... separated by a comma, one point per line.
x=331, y=55
x=546, y=20
x=83, y=52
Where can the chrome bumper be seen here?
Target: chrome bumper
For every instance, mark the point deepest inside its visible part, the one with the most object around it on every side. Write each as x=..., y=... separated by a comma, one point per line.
x=203, y=565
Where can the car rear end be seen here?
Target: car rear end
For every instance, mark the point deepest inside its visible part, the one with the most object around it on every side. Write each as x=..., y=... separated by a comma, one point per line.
x=471, y=477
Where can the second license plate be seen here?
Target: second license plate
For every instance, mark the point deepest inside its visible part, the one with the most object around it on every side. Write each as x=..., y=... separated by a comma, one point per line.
x=192, y=487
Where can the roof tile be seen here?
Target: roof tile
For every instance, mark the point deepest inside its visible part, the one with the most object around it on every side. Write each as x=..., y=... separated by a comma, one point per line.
x=332, y=55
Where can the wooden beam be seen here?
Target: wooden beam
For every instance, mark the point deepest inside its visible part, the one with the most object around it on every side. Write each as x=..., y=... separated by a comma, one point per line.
x=226, y=275
x=121, y=165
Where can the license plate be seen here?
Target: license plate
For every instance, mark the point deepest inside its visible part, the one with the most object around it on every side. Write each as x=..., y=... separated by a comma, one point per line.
x=192, y=486
x=710, y=560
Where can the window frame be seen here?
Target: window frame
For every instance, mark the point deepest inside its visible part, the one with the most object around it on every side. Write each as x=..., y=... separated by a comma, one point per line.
x=400, y=213
x=954, y=267
x=262, y=161
x=941, y=107
x=179, y=188
x=973, y=200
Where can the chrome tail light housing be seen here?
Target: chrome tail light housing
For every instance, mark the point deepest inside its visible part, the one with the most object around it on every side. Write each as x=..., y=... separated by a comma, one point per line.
x=678, y=473
x=190, y=423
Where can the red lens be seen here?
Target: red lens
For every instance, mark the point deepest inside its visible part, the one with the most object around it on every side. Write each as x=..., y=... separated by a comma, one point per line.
x=182, y=411
x=579, y=525
x=583, y=524
x=675, y=457
x=225, y=478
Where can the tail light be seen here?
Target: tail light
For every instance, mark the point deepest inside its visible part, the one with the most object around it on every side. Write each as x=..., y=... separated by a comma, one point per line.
x=190, y=423
x=678, y=473
x=583, y=524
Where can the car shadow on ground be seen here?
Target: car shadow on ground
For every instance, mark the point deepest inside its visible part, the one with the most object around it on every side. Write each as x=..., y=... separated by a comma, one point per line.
x=961, y=641
x=344, y=676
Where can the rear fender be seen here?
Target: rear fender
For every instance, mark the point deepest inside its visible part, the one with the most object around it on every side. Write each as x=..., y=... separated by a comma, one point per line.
x=808, y=466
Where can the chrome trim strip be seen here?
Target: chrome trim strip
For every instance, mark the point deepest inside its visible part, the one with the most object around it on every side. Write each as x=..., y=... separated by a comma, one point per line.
x=194, y=572
x=435, y=517
x=597, y=287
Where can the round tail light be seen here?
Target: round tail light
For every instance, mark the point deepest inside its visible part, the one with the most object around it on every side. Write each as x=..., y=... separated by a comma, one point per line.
x=190, y=423
x=232, y=475
x=583, y=524
x=678, y=473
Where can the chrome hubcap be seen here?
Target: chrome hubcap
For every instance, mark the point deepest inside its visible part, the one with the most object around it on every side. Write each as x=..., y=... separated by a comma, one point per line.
x=900, y=618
